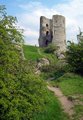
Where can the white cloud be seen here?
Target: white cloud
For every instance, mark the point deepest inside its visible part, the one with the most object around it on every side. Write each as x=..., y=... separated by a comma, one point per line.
x=29, y=19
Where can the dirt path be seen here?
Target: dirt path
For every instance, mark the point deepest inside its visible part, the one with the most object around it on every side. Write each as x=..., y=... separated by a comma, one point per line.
x=66, y=104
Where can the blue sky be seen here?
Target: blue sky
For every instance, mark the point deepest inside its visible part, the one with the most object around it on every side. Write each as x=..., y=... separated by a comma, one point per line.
x=28, y=13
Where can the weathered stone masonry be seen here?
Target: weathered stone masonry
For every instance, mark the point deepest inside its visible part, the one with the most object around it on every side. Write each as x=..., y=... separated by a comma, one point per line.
x=53, y=31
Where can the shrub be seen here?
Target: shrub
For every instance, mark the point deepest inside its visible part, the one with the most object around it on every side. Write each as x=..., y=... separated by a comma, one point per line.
x=22, y=93
x=54, y=70
x=50, y=48
x=74, y=56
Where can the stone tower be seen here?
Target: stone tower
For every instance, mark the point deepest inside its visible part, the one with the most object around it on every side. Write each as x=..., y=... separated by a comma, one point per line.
x=53, y=31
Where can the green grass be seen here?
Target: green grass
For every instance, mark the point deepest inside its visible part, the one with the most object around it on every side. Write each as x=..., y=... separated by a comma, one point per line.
x=71, y=84
x=79, y=112
x=34, y=53
x=52, y=111
x=31, y=52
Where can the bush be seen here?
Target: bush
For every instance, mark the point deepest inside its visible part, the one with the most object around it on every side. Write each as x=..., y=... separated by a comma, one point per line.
x=50, y=49
x=54, y=70
x=74, y=56
x=22, y=93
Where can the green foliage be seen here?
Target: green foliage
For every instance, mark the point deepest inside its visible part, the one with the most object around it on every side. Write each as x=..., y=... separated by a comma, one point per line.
x=50, y=48
x=54, y=70
x=75, y=57
x=22, y=97
x=52, y=110
x=22, y=93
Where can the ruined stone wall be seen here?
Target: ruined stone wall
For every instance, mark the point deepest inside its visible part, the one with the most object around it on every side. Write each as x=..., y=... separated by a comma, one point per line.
x=59, y=35
x=45, y=26
x=53, y=31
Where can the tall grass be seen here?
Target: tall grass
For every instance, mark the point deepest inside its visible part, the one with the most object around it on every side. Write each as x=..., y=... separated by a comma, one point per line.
x=52, y=110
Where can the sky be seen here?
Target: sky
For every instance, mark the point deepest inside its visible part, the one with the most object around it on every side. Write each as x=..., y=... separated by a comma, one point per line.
x=28, y=13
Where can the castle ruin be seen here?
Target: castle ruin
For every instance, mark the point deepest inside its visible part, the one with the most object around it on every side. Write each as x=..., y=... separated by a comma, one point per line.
x=53, y=31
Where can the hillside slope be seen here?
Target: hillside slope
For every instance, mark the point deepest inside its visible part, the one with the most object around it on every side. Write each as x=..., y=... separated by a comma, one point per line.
x=52, y=109
x=34, y=53
x=70, y=84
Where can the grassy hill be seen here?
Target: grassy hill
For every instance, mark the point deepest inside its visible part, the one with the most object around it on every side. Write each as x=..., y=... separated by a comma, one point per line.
x=34, y=53
x=52, y=109
x=31, y=52
x=70, y=84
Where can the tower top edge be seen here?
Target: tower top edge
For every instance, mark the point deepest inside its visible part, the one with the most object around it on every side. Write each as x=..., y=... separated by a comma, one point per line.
x=57, y=15
x=42, y=17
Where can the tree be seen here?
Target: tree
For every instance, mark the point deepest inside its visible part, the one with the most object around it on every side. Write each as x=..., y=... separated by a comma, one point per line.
x=75, y=57
x=21, y=92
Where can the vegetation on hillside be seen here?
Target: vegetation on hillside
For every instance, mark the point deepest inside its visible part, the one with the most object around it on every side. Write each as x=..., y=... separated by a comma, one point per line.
x=34, y=53
x=50, y=48
x=22, y=93
x=52, y=110
x=69, y=79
